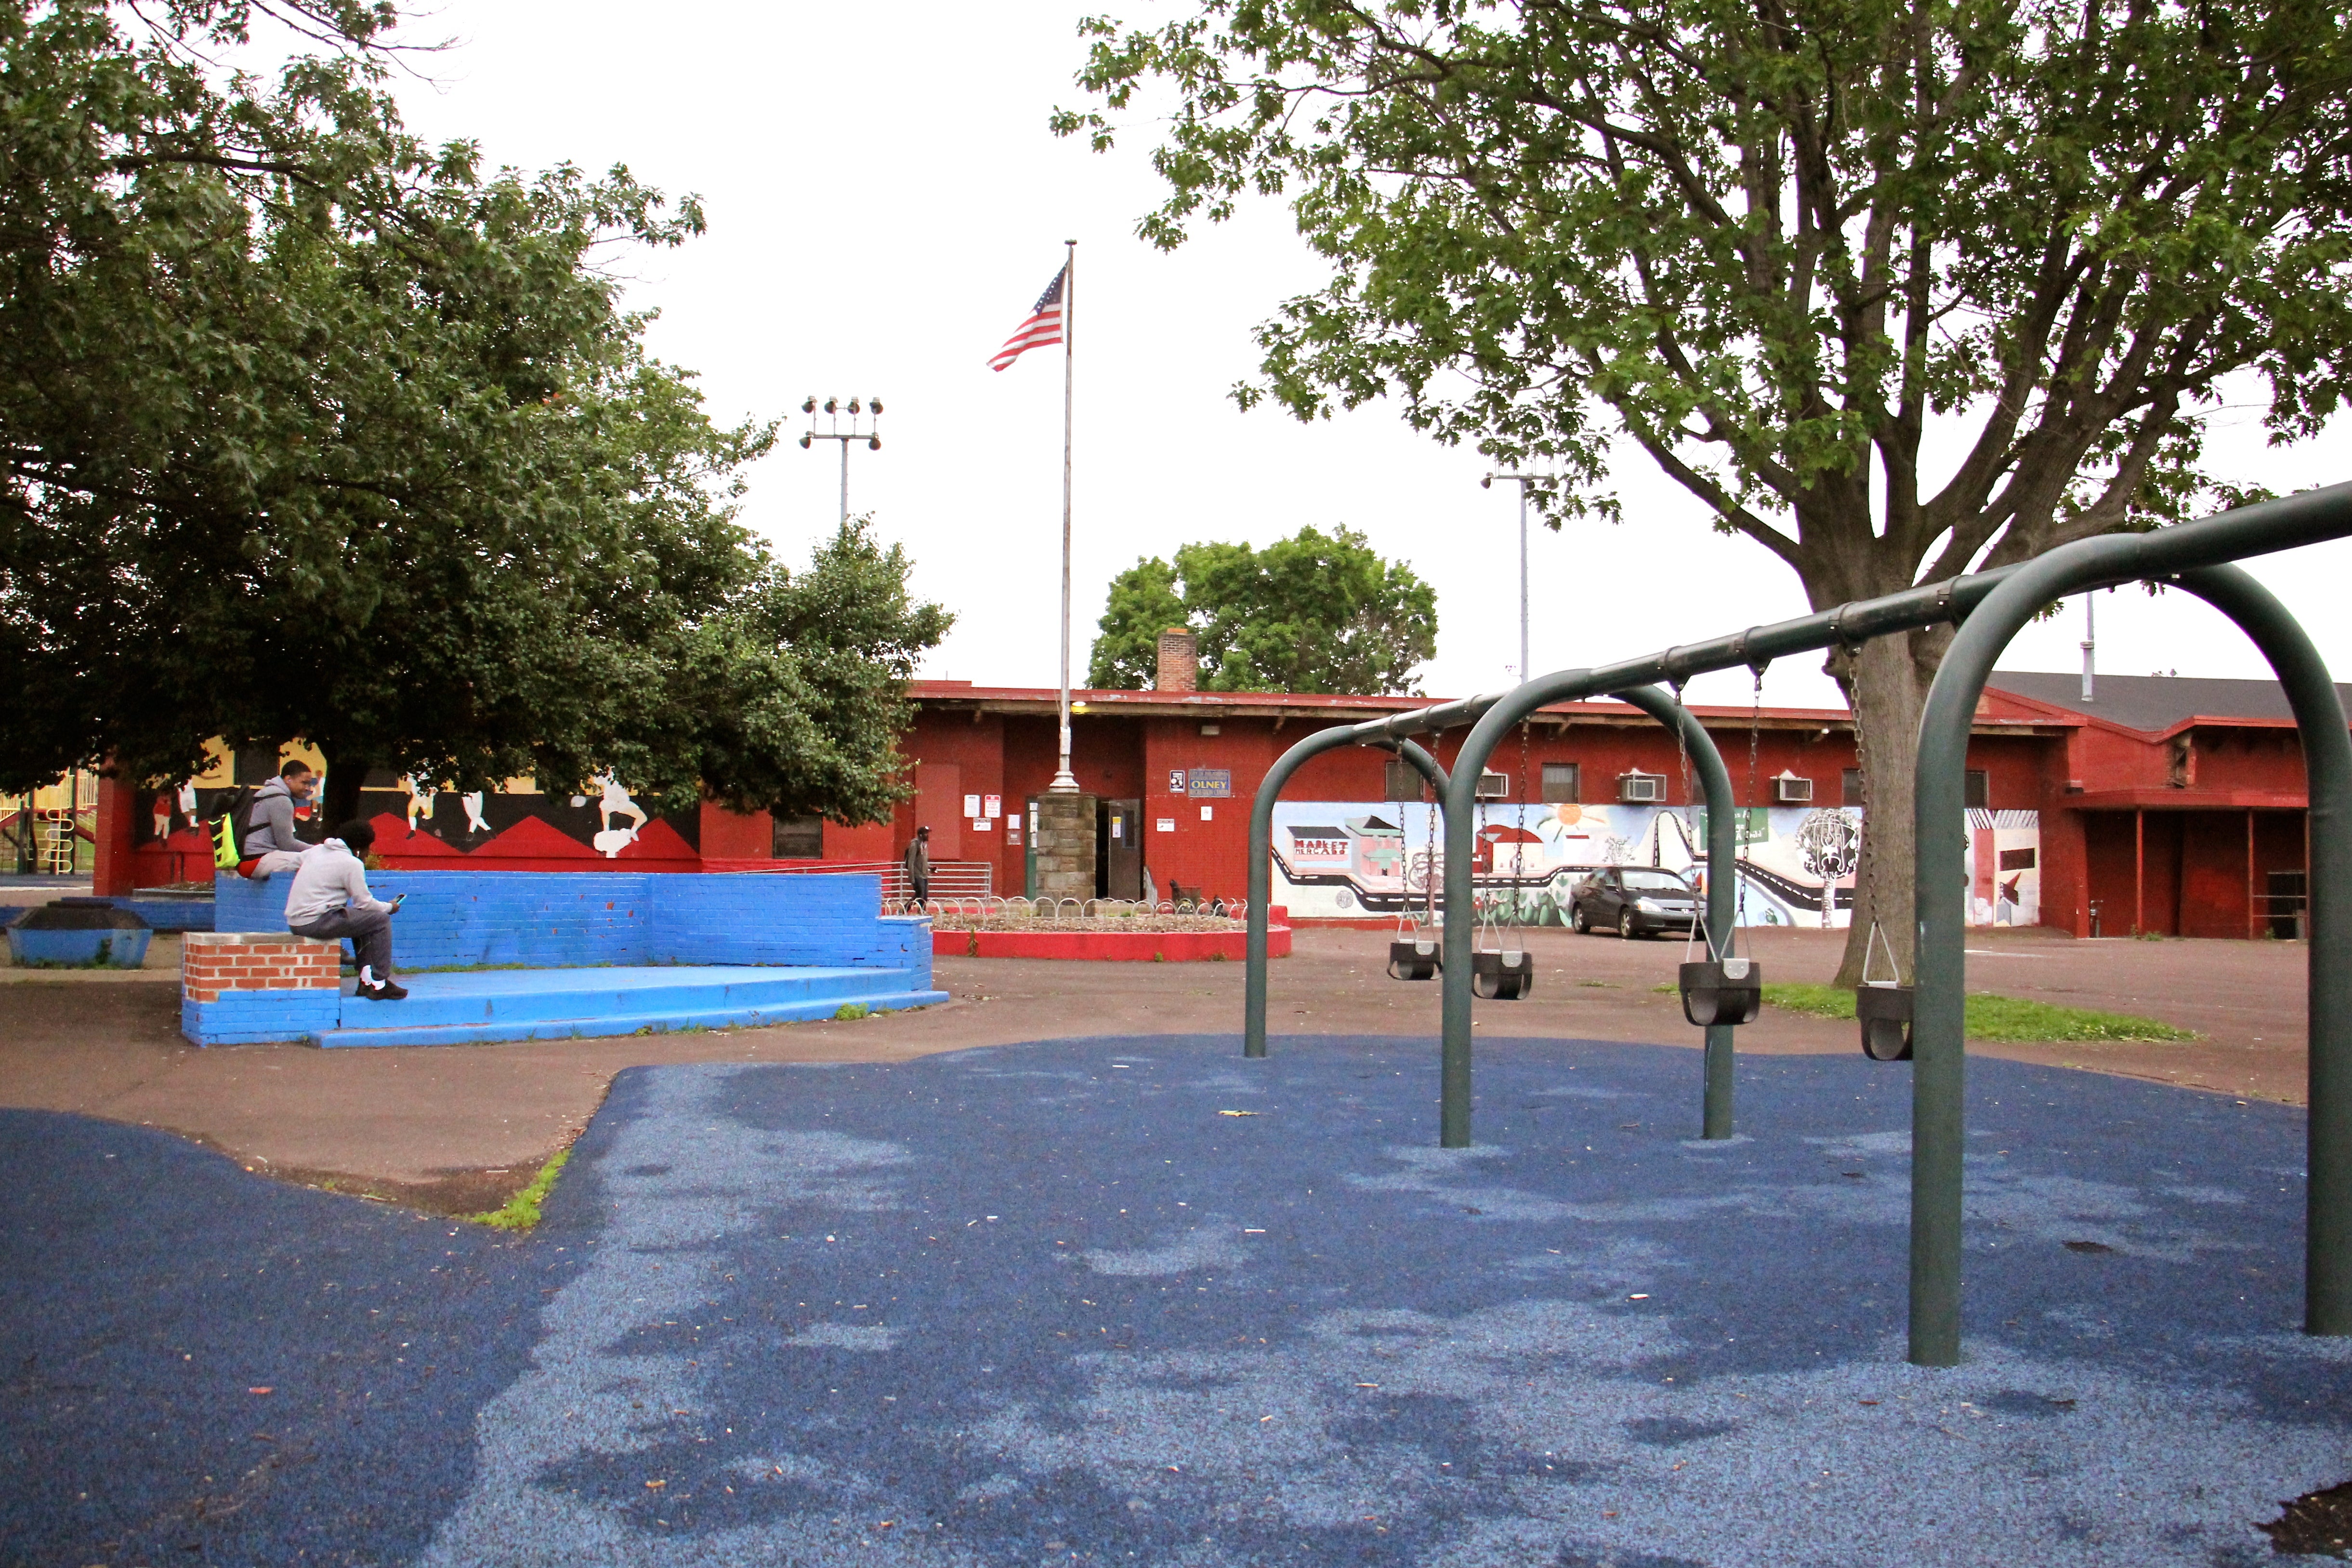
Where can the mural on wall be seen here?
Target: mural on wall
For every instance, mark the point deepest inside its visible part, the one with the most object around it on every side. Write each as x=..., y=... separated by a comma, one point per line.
x=418, y=825
x=1342, y=859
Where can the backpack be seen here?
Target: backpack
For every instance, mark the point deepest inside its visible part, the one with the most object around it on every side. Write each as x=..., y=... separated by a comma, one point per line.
x=230, y=829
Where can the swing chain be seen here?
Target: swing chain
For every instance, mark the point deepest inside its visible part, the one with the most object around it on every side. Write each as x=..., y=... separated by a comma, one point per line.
x=1755, y=731
x=1879, y=938
x=1519, y=848
x=1682, y=752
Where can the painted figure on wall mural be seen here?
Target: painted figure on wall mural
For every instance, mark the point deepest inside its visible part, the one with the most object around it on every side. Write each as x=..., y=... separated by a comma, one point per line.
x=1831, y=845
x=475, y=821
x=610, y=840
x=1337, y=860
x=420, y=800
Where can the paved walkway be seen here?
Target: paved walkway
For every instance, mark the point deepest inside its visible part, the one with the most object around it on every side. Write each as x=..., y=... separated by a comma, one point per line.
x=457, y=1129
x=1056, y=1302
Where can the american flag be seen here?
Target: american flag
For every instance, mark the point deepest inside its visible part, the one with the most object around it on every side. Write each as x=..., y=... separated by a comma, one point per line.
x=1041, y=329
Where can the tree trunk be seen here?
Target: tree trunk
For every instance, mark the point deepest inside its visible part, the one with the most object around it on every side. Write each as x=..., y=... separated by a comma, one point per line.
x=346, y=776
x=1886, y=682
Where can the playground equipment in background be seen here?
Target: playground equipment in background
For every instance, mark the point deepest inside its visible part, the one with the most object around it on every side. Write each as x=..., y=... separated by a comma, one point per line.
x=1989, y=607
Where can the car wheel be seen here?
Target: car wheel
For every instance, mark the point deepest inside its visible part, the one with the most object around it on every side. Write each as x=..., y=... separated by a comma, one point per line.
x=1581, y=922
x=1625, y=926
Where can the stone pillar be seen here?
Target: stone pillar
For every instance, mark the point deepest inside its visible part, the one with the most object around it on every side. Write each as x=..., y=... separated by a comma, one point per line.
x=1179, y=661
x=1065, y=846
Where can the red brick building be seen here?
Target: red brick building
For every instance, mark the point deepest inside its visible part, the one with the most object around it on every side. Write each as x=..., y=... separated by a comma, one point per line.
x=2169, y=805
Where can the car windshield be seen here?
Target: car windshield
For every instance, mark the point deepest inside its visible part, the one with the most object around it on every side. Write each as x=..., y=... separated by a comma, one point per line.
x=1656, y=882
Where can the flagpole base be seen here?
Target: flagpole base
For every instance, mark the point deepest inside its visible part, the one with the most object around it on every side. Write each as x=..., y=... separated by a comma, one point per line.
x=1065, y=783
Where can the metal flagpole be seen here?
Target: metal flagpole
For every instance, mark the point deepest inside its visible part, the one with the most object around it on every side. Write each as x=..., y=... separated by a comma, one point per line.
x=1065, y=782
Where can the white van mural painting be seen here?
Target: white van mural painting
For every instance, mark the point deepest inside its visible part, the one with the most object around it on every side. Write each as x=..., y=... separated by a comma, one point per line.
x=1347, y=859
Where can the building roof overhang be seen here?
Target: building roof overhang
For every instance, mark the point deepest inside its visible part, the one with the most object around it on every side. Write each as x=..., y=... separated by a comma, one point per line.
x=1288, y=708
x=2161, y=798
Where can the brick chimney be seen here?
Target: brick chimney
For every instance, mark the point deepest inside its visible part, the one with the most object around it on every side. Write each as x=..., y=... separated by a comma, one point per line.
x=1179, y=661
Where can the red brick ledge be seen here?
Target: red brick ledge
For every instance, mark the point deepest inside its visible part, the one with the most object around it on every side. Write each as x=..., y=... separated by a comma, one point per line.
x=211, y=963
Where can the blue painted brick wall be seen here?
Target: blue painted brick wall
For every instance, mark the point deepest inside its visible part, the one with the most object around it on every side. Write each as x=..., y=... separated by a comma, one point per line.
x=250, y=1018
x=563, y=919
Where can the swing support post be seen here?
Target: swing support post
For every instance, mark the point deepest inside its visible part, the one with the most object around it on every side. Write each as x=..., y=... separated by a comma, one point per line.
x=2190, y=556
x=1261, y=851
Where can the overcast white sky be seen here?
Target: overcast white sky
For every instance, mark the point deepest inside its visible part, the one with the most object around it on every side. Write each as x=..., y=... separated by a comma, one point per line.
x=885, y=206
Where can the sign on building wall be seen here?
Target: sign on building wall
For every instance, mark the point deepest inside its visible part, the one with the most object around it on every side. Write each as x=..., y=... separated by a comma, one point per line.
x=1342, y=859
x=1209, y=783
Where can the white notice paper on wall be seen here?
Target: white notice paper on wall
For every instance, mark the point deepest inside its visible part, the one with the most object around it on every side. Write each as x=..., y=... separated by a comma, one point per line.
x=982, y=824
x=992, y=805
x=1208, y=814
x=971, y=806
x=1167, y=825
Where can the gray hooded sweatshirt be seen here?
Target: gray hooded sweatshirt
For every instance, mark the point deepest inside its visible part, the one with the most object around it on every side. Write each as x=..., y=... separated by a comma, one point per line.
x=271, y=816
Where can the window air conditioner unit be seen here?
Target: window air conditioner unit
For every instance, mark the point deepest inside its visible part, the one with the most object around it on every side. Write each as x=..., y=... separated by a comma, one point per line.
x=1790, y=790
x=1492, y=786
x=1641, y=786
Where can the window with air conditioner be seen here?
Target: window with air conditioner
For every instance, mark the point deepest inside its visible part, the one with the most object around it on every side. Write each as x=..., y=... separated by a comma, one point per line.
x=1639, y=786
x=1787, y=789
x=1492, y=786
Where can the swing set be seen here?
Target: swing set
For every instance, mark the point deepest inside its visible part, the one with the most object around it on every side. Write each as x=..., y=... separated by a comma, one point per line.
x=1920, y=1020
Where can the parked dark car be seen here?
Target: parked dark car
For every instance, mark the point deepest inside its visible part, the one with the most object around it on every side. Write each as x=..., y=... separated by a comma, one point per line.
x=1634, y=900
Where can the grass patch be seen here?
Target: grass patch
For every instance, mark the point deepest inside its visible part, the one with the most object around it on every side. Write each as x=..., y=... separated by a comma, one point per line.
x=850, y=1011
x=2002, y=1019
x=521, y=1211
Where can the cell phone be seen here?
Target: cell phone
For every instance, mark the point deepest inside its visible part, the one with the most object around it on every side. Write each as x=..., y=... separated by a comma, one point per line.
x=398, y=900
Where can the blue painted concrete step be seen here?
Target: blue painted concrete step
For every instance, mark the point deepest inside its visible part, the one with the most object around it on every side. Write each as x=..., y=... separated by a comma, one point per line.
x=581, y=1003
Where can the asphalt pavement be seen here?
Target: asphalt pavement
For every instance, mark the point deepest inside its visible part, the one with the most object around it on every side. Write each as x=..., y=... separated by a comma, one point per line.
x=1138, y=1300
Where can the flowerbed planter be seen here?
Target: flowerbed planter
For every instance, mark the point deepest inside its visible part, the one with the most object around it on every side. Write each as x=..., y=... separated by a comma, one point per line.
x=1229, y=945
x=78, y=934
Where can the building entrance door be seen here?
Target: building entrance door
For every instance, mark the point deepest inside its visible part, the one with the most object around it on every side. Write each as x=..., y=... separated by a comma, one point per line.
x=1118, y=851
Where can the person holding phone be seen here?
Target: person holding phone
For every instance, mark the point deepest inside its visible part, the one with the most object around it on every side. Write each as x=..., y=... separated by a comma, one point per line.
x=330, y=900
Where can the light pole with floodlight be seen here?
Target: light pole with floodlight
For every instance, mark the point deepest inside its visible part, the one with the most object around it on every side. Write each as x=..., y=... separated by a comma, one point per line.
x=870, y=409
x=1524, y=480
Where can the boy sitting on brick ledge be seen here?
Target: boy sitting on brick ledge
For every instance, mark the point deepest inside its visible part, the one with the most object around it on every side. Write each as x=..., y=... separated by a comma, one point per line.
x=330, y=899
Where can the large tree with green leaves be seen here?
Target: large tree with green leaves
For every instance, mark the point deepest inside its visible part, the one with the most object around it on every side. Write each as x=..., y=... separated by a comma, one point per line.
x=313, y=431
x=1893, y=287
x=1315, y=612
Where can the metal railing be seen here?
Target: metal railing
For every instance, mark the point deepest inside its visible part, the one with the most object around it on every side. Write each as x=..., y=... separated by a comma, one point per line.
x=1068, y=913
x=950, y=879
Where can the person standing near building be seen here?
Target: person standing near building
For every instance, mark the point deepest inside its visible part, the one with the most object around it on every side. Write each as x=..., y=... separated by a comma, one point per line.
x=330, y=900
x=918, y=867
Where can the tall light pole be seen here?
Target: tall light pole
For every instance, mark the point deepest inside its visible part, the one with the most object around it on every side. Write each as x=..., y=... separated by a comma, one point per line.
x=870, y=409
x=1523, y=480
x=2090, y=643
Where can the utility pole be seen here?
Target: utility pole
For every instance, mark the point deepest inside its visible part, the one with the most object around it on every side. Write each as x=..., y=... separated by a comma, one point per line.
x=1523, y=480
x=871, y=409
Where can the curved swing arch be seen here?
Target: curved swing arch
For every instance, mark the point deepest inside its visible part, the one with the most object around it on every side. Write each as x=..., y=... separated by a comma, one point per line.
x=1261, y=848
x=1499, y=714
x=1939, y=1028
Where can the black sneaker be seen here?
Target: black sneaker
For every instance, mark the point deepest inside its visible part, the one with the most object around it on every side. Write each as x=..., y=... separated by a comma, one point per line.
x=383, y=991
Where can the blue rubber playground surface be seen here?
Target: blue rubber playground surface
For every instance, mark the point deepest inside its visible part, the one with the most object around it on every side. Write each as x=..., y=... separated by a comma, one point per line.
x=1141, y=1301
